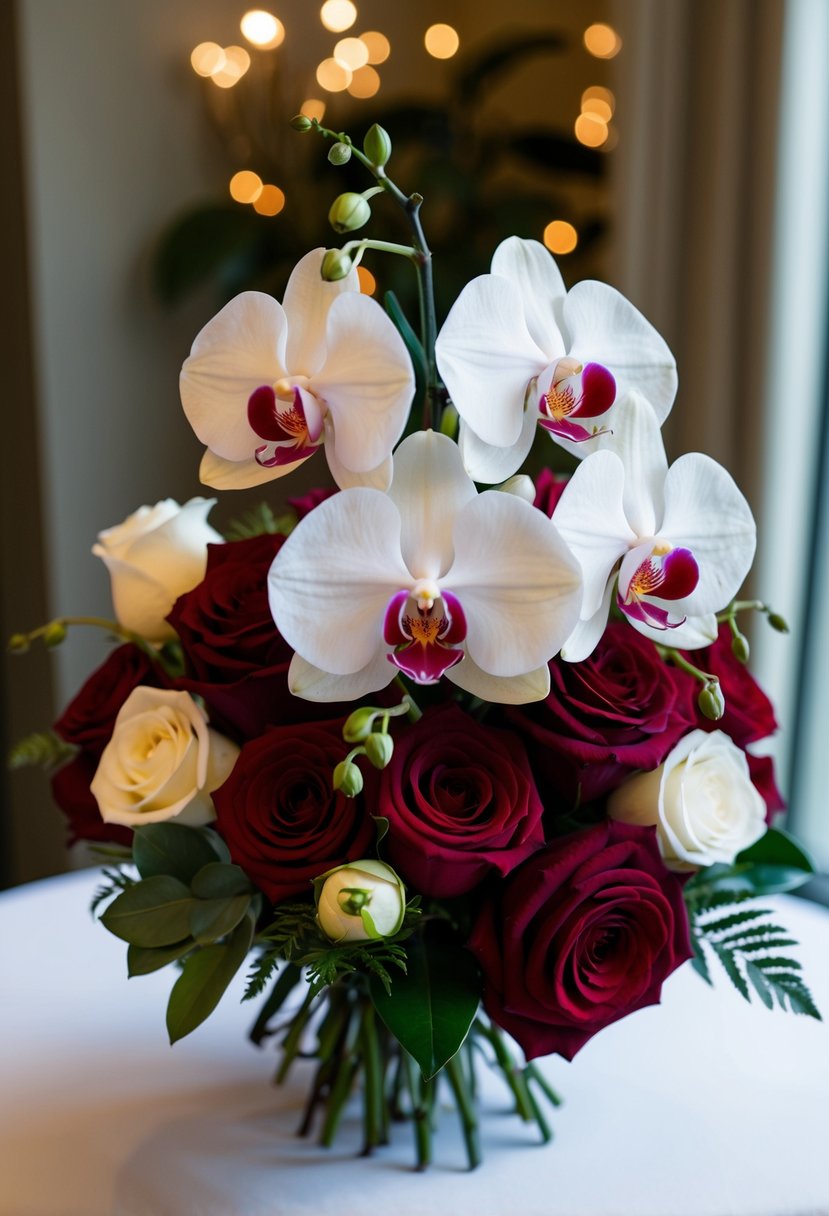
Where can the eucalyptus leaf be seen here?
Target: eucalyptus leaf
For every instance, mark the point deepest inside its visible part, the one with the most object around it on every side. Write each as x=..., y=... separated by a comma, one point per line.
x=204, y=980
x=211, y=919
x=153, y=912
x=218, y=880
x=431, y=1007
x=174, y=849
x=142, y=960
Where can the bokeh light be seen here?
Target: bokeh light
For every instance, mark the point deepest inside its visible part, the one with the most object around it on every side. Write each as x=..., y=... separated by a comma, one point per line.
x=364, y=83
x=207, y=58
x=338, y=15
x=590, y=130
x=352, y=53
x=313, y=107
x=379, y=47
x=602, y=40
x=270, y=201
x=368, y=283
x=332, y=76
x=597, y=92
x=597, y=106
x=237, y=62
x=560, y=237
x=246, y=186
x=262, y=29
x=441, y=41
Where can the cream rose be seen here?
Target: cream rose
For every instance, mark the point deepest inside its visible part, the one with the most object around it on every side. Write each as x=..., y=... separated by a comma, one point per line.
x=162, y=762
x=153, y=557
x=362, y=901
x=701, y=799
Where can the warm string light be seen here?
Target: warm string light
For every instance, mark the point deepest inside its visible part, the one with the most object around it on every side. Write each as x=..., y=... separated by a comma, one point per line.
x=225, y=66
x=332, y=76
x=248, y=187
x=262, y=29
x=441, y=41
x=364, y=83
x=313, y=107
x=592, y=125
x=560, y=237
x=338, y=15
x=352, y=53
x=378, y=46
x=602, y=41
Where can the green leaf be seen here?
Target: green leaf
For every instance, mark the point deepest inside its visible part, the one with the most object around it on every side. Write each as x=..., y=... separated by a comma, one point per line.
x=431, y=1007
x=777, y=847
x=44, y=749
x=732, y=970
x=142, y=961
x=154, y=912
x=218, y=880
x=287, y=980
x=258, y=521
x=204, y=980
x=410, y=339
x=214, y=918
x=174, y=849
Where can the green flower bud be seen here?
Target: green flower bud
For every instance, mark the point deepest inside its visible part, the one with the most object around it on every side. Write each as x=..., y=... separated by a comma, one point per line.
x=778, y=622
x=348, y=778
x=54, y=634
x=339, y=154
x=301, y=123
x=18, y=643
x=379, y=749
x=335, y=265
x=361, y=901
x=377, y=145
x=740, y=647
x=358, y=724
x=711, y=701
x=348, y=212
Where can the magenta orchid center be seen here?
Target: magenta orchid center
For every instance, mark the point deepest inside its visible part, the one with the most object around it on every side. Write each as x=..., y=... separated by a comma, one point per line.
x=289, y=418
x=426, y=627
x=656, y=570
x=576, y=390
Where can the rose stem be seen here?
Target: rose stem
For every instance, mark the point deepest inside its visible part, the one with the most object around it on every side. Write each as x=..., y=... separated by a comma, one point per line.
x=291, y=1042
x=466, y=1110
x=347, y=1071
x=285, y=983
x=420, y=1112
x=509, y=1068
x=533, y=1072
x=373, y=1100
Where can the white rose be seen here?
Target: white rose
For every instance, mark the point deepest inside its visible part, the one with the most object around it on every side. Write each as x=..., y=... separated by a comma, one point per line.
x=701, y=799
x=361, y=901
x=153, y=557
x=162, y=762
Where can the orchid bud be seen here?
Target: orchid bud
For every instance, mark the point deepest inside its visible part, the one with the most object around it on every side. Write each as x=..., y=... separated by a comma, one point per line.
x=18, y=643
x=335, y=265
x=379, y=749
x=778, y=622
x=339, y=154
x=711, y=701
x=358, y=725
x=301, y=123
x=740, y=647
x=362, y=901
x=377, y=145
x=348, y=212
x=348, y=779
x=54, y=634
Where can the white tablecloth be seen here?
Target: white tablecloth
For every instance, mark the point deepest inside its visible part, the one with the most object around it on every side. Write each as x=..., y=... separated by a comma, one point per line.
x=705, y=1106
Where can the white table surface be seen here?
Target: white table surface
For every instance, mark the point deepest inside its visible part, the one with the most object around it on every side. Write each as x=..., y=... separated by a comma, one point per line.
x=705, y=1106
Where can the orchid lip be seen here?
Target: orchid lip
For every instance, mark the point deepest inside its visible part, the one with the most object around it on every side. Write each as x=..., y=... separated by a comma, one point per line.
x=427, y=642
x=666, y=574
x=286, y=431
x=577, y=391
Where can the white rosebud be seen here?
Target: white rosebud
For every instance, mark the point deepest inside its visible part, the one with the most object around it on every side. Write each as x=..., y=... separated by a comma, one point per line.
x=153, y=557
x=701, y=800
x=362, y=901
x=162, y=762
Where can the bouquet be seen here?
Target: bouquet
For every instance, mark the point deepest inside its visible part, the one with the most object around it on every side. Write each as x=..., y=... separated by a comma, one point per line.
x=456, y=762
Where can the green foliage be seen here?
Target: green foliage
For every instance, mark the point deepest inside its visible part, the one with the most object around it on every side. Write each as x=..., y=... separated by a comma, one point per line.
x=774, y=864
x=117, y=880
x=43, y=749
x=258, y=521
x=176, y=850
x=204, y=979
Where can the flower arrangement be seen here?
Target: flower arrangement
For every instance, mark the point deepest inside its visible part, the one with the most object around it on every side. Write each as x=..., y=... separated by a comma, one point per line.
x=463, y=761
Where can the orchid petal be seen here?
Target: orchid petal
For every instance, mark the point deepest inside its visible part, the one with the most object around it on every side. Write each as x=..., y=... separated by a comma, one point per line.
x=534, y=271
x=694, y=632
x=601, y=325
x=313, y=684
x=706, y=513
x=429, y=488
x=333, y=577
x=487, y=357
x=242, y=348
x=637, y=441
x=307, y=299
x=366, y=381
x=519, y=585
x=590, y=517
x=586, y=636
x=221, y=474
x=488, y=464
x=502, y=690
x=377, y=479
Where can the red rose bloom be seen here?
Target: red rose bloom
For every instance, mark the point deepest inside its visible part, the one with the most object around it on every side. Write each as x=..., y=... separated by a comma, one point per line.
x=584, y=933
x=620, y=710
x=283, y=823
x=549, y=487
x=460, y=801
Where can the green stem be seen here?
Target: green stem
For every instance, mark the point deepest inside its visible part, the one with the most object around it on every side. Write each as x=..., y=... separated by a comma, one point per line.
x=291, y=1043
x=405, y=251
x=466, y=1108
x=346, y=1072
x=534, y=1073
x=512, y=1073
x=421, y=1116
x=705, y=677
x=98, y=622
x=413, y=712
x=373, y=1099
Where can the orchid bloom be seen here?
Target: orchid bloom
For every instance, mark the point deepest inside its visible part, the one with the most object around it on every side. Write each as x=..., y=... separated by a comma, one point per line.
x=680, y=540
x=267, y=383
x=518, y=351
x=430, y=579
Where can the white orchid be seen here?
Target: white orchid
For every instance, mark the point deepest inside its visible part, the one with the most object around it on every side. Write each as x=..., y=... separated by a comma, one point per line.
x=430, y=579
x=517, y=350
x=267, y=383
x=680, y=539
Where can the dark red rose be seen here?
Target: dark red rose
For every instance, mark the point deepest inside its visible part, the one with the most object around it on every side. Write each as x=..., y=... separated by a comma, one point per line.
x=583, y=934
x=549, y=487
x=310, y=500
x=749, y=714
x=87, y=722
x=619, y=710
x=460, y=801
x=281, y=819
x=761, y=771
x=236, y=658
